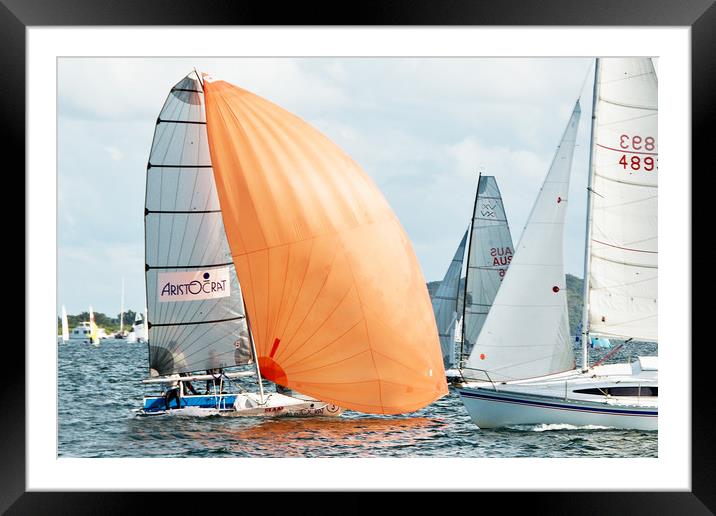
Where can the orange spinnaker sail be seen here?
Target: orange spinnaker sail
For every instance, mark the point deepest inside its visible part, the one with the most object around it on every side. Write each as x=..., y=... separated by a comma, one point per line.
x=336, y=300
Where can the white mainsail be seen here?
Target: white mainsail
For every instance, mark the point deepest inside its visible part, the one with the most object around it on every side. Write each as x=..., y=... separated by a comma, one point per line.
x=445, y=304
x=145, y=327
x=193, y=293
x=526, y=332
x=623, y=247
x=65, y=326
x=489, y=256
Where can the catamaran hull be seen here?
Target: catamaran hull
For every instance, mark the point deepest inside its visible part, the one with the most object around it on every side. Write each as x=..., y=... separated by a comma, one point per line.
x=492, y=409
x=238, y=405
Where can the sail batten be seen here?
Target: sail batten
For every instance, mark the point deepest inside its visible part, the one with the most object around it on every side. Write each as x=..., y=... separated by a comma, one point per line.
x=529, y=313
x=339, y=308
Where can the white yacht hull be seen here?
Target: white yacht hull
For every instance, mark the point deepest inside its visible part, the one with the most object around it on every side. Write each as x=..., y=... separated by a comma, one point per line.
x=561, y=399
x=495, y=409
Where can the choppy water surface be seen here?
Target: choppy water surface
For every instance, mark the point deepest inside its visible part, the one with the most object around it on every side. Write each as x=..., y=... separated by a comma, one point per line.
x=99, y=393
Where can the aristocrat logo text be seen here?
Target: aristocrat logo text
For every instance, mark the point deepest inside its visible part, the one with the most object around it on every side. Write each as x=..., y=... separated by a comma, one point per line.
x=194, y=285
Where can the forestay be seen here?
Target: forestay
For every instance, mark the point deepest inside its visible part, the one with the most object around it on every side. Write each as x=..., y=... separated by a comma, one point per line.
x=489, y=256
x=624, y=245
x=194, y=300
x=526, y=333
x=445, y=304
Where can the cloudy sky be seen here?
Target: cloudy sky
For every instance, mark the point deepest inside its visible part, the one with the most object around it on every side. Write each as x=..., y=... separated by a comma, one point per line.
x=421, y=128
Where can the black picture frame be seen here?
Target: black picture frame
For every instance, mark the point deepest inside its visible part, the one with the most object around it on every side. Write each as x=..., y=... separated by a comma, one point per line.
x=700, y=15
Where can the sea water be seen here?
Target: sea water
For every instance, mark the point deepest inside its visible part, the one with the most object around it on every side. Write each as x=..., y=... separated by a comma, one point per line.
x=100, y=393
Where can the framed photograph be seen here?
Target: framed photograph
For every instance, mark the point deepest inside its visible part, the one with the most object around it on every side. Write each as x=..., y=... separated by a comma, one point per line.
x=247, y=218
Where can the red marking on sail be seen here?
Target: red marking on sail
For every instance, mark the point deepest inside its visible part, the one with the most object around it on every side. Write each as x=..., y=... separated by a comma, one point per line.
x=555, y=289
x=275, y=347
x=625, y=151
x=272, y=371
x=625, y=248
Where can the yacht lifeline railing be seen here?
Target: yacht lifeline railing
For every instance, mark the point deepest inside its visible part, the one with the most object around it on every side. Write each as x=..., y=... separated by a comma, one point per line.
x=489, y=379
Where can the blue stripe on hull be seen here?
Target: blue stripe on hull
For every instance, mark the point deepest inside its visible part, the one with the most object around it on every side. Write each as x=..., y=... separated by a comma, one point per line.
x=208, y=402
x=543, y=404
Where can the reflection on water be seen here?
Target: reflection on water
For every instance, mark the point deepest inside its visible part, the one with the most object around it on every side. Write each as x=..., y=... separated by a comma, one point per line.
x=99, y=394
x=311, y=437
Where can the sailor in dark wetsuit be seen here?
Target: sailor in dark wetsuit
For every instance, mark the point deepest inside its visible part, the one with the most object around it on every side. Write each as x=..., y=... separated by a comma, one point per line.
x=188, y=386
x=216, y=373
x=171, y=393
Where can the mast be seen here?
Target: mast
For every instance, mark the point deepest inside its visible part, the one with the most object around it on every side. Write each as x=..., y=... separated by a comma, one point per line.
x=256, y=357
x=121, y=311
x=198, y=76
x=467, y=272
x=588, y=233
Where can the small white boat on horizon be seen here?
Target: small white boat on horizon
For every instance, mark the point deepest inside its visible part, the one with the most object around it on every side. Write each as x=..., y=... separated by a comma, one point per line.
x=83, y=332
x=139, y=331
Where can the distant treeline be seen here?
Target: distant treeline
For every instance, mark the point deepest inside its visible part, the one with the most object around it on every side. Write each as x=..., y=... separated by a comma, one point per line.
x=111, y=325
x=574, y=298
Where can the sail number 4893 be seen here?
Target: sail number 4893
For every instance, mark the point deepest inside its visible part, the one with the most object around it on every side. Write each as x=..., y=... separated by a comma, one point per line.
x=637, y=162
x=638, y=143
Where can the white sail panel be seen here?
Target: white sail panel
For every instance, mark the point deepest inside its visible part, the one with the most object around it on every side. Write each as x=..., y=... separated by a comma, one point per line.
x=186, y=250
x=65, y=326
x=490, y=254
x=624, y=243
x=445, y=304
x=526, y=333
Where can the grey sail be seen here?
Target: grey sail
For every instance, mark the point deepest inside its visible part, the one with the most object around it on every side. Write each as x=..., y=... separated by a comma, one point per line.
x=445, y=304
x=490, y=253
x=195, y=306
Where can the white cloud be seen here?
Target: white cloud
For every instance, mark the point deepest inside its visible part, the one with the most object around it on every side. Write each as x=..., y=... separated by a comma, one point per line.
x=114, y=153
x=471, y=155
x=135, y=88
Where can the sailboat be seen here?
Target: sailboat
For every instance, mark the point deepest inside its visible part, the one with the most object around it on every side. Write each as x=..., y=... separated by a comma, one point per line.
x=268, y=248
x=138, y=333
x=93, y=331
x=445, y=308
x=121, y=334
x=488, y=257
x=65, y=327
x=523, y=370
